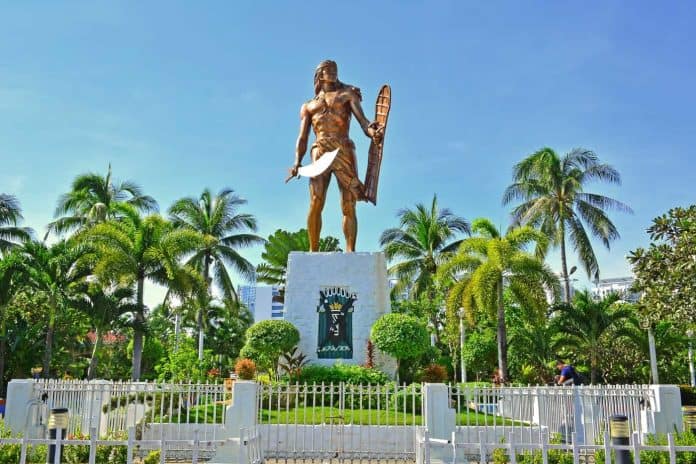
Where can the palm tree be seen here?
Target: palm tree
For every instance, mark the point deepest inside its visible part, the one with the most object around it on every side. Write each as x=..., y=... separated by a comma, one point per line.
x=53, y=271
x=422, y=242
x=104, y=307
x=582, y=325
x=485, y=264
x=216, y=218
x=10, y=216
x=277, y=250
x=554, y=201
x=93, y=199
x=10, y=281
x=134, y=249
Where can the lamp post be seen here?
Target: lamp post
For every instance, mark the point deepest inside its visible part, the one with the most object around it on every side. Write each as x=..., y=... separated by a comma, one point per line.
x=690, y=334
x=462, y=339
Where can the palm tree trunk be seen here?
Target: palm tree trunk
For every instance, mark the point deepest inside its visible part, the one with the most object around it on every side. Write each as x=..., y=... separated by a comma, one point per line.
x=502, y=335
x=201, y=335
x=3, y=349
x=593, y=369
x=48, y=353
x=92, y=369
x=138, y=332
x=564, y=265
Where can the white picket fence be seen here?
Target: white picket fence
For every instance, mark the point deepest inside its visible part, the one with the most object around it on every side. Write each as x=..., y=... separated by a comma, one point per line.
x=336, y=421
x=430, y=450
x=250, y=449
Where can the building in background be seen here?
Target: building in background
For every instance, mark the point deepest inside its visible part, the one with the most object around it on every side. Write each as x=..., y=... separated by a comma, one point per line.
x=619, y=285
x=264, y=302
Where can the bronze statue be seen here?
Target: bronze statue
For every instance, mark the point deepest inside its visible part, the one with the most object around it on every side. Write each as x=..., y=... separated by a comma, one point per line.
x=329, y=114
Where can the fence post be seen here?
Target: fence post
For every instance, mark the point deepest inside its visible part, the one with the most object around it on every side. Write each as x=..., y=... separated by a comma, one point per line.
x=130, y=445
x=438, y=417
x=93, y=435
x=672, y=449
x=618, y=428
x=544, y=448
x=242, y=412
x=636, y=447
x=23, y=452
x=196, y=445
x=482, y=446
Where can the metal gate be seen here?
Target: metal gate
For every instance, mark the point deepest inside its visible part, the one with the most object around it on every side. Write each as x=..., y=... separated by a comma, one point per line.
x=339, y=421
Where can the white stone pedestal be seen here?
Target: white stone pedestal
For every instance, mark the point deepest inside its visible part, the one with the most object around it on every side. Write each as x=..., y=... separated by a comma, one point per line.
x=359, y=275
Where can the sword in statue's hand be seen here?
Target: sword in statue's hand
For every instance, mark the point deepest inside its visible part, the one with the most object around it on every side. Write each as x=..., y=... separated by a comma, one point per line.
x=316, y=168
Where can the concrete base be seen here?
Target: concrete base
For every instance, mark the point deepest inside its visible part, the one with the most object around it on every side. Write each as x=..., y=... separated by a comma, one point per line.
x=361, y=274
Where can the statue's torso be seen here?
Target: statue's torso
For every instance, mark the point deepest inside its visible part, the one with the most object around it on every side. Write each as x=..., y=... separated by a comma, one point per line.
x=331, y=113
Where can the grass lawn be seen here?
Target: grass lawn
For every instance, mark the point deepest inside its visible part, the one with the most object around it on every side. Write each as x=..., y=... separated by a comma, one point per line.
x=214, y=413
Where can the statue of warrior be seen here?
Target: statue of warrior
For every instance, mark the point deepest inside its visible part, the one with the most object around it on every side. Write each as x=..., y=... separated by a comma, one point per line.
x=329, y=114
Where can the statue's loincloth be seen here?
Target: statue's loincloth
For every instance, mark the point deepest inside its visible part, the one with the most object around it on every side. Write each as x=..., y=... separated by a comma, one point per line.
x=344, y=165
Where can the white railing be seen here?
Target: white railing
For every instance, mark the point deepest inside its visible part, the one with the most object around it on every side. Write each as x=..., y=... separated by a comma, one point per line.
x=250, y=447
x=559, y=411
x=156, y=410
x=342, y=421
x=482, y=450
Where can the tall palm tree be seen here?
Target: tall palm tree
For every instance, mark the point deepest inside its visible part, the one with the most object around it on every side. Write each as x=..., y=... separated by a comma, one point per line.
x=486, y=263
x=104, y=307
x=583, y=324
x=277, y=250
x=551, y=188
x=93, y=199
x=10, y=216
x=424, y=239
x=53, y=271
x=225, y=231
x=134, y=249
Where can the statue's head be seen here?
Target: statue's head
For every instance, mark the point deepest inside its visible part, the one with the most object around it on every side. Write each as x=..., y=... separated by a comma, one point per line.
x=327, y=71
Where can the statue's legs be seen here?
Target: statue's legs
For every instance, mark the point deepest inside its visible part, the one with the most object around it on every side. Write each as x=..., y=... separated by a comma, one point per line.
x=317, y=197
x=350, y=220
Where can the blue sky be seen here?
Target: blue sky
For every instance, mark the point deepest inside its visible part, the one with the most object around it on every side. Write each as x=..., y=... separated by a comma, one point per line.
x=179, y=96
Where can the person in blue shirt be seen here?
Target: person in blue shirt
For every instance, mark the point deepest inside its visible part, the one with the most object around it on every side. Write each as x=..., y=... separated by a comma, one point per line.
x=567, y=376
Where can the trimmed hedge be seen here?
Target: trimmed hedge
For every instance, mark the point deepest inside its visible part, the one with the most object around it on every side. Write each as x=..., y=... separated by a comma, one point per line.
x=341, y=373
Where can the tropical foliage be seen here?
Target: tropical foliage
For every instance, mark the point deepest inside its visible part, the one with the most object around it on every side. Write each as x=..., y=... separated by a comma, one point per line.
x=488, y=263
x=425, y=238
x=554, y=200
x=665, y=270
x=75, y=306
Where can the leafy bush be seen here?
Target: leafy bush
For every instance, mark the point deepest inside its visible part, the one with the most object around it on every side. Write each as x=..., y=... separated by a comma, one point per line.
x=153, y=457
x=268, y=340
x=400, y=336
x=11, y=453
x=433, y=373
x=245, y=369
x=76, y=454
x=341, y=373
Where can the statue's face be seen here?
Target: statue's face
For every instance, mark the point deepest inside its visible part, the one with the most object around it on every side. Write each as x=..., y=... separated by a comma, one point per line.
x=328, y=74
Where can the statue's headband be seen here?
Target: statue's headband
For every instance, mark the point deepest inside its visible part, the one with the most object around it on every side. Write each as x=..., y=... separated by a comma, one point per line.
x=327, y=64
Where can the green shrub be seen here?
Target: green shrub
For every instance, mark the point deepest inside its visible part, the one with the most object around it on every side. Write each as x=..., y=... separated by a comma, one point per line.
x=341, y=373
x=153, y=457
